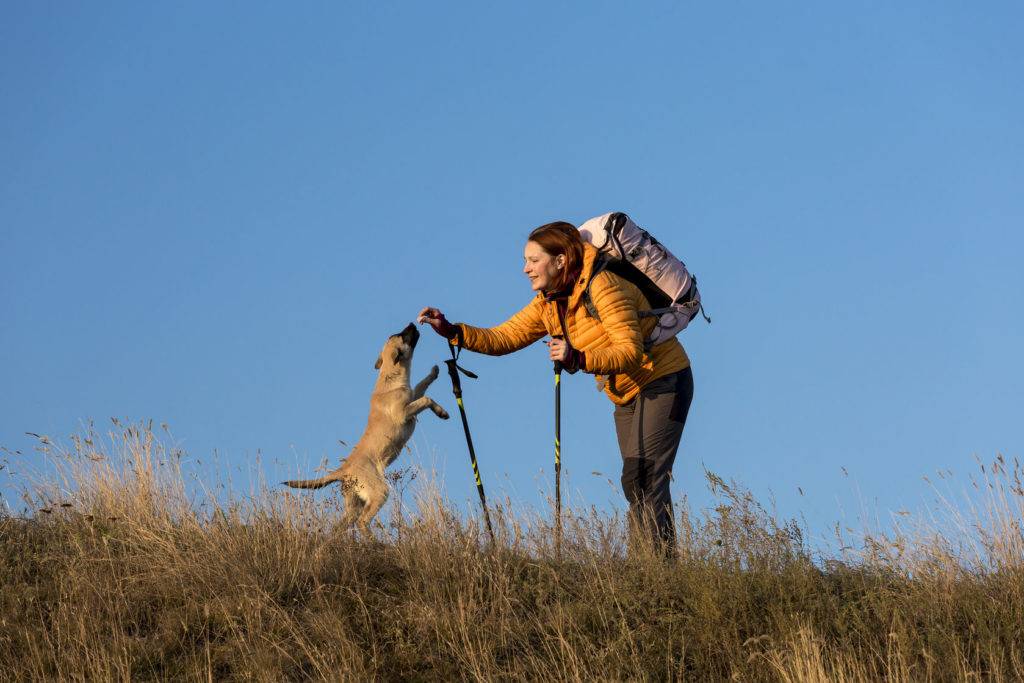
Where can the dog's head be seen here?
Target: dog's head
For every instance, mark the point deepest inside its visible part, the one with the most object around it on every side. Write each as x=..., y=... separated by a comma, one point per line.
x=398, y=348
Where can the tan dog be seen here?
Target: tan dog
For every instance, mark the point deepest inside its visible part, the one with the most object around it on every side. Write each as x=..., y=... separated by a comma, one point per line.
x=394, y=406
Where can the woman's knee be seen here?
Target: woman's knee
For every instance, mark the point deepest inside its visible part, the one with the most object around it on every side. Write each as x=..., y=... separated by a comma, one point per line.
x=634, y=480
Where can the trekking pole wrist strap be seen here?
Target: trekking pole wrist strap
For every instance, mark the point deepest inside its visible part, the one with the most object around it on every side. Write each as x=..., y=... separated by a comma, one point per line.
x=453, y=365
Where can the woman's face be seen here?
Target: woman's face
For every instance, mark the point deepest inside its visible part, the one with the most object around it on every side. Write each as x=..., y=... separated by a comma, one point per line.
x=541, y=267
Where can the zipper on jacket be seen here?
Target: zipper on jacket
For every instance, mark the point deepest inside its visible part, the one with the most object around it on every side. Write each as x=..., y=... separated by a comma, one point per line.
x=561, y=321
x=560, y=314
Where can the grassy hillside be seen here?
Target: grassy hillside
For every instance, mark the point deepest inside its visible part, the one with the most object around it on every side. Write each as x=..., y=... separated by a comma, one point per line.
x=119, y=574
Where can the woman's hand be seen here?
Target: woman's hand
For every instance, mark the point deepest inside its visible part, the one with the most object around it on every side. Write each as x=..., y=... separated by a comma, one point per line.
x=436, y=320
x=558, y=349
x=570, y=358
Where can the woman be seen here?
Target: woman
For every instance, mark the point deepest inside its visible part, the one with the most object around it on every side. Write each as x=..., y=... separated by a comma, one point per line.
x=651, y=389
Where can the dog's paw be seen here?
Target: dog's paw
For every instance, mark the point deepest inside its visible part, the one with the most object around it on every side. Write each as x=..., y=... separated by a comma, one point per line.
x=434, y=372
x=442, y=413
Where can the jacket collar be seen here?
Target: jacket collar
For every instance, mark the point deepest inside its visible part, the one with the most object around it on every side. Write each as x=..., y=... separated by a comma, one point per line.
x=590, y=254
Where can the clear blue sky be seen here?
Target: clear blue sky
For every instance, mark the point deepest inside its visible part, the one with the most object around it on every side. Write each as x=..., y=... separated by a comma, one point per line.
x=213, y=214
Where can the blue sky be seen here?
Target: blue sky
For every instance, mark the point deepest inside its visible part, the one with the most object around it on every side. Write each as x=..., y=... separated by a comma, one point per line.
x=212, y=216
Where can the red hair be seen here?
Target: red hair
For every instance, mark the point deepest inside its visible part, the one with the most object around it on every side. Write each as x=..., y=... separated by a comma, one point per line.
x=561, y=239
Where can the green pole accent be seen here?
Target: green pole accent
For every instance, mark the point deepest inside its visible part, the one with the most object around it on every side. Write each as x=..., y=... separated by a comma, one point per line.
x=453, y=373
x=558, y=458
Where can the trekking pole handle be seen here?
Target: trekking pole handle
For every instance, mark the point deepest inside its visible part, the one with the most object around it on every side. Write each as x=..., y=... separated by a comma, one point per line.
x=453, y=371
x=558, y=364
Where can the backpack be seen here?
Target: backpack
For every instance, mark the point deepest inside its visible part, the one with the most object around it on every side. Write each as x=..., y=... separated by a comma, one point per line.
x=632, y=253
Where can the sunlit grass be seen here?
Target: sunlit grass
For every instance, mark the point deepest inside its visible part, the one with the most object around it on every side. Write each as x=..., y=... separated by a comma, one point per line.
x=122, y=570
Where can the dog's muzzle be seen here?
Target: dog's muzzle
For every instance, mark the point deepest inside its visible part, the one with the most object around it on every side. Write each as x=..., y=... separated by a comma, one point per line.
x=410, y=335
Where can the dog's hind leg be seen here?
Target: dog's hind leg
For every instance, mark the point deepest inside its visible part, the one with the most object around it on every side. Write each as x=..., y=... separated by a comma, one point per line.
x=353, y=507
x=421, y=388
x=375, y=501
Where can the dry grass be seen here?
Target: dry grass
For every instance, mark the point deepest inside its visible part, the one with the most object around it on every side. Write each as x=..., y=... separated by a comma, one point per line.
x=134, y=578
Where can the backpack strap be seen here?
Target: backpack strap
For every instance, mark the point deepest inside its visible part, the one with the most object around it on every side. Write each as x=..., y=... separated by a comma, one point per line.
x=600, y=264
x=700, y=306
x=655, y=312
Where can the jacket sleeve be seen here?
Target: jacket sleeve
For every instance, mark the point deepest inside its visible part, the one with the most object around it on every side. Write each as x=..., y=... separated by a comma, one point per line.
x=519, y=331
x=618, y=313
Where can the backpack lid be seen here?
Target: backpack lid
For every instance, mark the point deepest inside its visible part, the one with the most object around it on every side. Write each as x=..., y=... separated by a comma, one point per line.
x=595, y=231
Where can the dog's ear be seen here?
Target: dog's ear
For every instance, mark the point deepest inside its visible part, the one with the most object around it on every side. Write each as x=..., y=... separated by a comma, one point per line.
x=380, y=362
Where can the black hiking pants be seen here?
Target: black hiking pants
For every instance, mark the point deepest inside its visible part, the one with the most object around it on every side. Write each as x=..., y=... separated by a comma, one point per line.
x=649, y=430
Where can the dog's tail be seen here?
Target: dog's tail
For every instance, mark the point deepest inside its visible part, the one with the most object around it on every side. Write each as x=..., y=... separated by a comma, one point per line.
x=315, y=483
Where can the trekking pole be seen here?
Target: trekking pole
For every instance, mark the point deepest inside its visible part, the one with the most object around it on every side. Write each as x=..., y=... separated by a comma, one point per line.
x=558, y=455
x=453, y=371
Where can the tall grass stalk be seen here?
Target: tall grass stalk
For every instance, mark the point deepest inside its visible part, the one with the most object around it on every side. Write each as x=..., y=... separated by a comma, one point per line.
x=122, y=570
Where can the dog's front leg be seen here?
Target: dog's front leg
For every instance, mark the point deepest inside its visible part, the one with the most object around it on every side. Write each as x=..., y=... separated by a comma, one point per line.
x=419, y=405
x=421, y=388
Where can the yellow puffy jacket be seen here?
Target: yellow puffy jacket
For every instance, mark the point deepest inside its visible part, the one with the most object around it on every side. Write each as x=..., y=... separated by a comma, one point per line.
x=614, y=345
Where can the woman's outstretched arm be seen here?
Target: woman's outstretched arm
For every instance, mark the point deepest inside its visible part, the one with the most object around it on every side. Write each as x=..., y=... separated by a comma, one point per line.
x=519, y=331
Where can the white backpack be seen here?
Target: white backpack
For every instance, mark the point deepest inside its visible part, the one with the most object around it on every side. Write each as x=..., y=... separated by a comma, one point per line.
x=632, y=253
